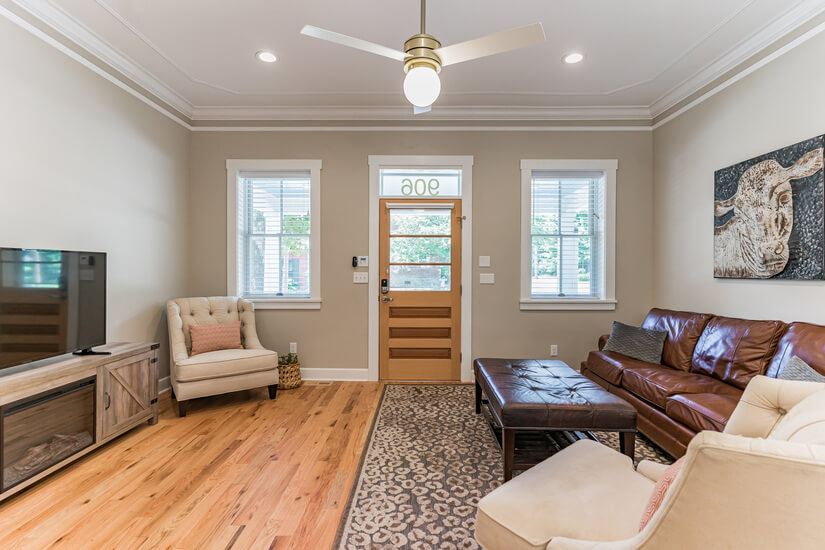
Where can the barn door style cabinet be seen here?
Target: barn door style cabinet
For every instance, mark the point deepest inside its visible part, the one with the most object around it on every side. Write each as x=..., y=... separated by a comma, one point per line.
x=53, y=414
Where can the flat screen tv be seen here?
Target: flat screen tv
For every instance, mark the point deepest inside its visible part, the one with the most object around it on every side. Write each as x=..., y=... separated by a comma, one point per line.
x=52, y=302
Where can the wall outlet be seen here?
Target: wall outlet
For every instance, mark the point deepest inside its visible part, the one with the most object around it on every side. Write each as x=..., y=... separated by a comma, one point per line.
x=293, y=347
x=360, y=277
x=554, y=350
x=363, y=261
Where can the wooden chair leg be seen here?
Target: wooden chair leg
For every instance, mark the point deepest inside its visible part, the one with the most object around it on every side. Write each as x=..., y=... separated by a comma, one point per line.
x=183, y=407
x=508, y=448
x=478, y=397
x=273, y=390
x=627, y=444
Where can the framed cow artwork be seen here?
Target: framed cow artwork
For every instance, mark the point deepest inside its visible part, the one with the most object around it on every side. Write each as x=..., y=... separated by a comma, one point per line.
x=769, y=220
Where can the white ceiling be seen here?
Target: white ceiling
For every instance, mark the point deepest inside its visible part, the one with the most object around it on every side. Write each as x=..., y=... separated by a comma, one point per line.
x=641, y=56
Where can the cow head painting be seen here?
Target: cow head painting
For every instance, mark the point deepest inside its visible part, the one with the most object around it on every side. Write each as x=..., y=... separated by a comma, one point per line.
x=753, y=242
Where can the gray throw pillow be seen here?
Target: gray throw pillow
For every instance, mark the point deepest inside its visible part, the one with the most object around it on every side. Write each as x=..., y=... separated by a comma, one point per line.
x=797, y=369
x=636, y=342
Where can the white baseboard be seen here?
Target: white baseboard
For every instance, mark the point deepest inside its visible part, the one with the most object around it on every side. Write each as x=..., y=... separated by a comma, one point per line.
x=335, y=375
x=164, y=385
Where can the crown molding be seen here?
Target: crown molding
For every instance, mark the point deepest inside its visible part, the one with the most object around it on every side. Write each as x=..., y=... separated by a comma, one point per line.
x=701, y=97
x=129, y=75
x=398, y=113
x=431, y=128
x=67, y=26
x=769, y=34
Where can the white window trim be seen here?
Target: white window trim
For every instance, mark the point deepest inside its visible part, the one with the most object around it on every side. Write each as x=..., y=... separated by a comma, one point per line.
x=608, y=303
x=376, y=163
x=233, y=169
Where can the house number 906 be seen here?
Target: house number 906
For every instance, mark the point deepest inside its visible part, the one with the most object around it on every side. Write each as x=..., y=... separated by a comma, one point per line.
x=420, y=187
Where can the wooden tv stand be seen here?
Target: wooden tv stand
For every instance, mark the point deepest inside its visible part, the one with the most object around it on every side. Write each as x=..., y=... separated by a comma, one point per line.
x=53, y=414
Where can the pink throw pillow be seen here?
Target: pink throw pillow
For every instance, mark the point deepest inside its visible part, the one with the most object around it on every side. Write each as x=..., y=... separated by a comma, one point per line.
x=215, y=337
x=659, y=491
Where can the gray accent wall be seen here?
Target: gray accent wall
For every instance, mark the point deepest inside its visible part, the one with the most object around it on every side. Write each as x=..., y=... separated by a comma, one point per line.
x=778, y=105
x=86, y=166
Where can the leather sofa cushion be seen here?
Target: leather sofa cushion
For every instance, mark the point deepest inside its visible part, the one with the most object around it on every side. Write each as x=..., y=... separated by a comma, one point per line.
x=702, y=411
x=227, y=362
x=562, y=497
x=610, y=365
x=683, y=331
x=736, y=350
x=803, y=340
x=655, y=384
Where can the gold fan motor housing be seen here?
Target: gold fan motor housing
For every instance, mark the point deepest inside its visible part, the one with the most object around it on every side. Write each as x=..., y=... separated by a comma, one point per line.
x=420, y=47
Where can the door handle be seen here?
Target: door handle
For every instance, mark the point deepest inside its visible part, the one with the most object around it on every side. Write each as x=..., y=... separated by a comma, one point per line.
x=386, y=299
x=107, y=401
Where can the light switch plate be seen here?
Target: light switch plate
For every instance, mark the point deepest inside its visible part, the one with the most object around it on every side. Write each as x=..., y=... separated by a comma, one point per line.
x=360, y=277
x=363, y=261
x=487, y=278
x=484, y=261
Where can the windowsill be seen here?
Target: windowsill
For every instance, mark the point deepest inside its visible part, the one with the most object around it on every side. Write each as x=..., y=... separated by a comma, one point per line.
x=563, y=304
x=285, y=303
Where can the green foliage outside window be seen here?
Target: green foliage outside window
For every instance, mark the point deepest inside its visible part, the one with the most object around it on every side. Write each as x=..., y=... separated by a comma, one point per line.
x=294, y=242
x=420, y=249
x=546, y=249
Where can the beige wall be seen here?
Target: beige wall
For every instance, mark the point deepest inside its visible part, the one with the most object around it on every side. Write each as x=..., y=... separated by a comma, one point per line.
x=87, y=166
x=90, y=167
x=336, y=336
x=780, y=104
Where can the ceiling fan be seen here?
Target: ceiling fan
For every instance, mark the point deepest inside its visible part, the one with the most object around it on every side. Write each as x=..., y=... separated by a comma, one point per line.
x=423, y=55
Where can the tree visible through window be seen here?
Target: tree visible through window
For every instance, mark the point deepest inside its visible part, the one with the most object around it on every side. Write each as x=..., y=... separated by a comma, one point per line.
x=275, y=230
x=563, y=236
x=420, y=249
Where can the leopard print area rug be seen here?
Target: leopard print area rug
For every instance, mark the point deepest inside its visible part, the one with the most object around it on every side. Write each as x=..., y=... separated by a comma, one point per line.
x=428, y=460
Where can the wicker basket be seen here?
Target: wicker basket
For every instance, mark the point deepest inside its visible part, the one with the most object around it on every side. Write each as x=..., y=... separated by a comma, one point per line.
x=289, y=376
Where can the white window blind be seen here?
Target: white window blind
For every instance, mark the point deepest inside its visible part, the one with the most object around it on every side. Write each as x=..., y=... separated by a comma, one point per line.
x=567, y=213
x=274, y=247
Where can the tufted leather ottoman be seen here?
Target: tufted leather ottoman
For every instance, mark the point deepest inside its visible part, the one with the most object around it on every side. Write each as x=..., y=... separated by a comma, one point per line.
x=547, y=395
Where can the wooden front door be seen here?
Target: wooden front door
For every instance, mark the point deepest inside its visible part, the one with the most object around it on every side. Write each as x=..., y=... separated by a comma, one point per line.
x=420, y=262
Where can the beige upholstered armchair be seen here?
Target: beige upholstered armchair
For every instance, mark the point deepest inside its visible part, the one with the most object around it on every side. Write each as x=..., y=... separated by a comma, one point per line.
x=221, y=371
x=746, y=488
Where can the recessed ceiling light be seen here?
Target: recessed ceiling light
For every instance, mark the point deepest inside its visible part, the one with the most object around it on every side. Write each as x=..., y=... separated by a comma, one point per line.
x=572, y=58
x=266, y=56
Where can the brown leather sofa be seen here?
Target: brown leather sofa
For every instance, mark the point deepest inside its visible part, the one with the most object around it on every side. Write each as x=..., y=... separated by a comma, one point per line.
x=707, y=361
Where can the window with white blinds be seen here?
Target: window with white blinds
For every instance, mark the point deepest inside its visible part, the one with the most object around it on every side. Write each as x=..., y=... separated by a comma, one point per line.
x=565, y=234
x=275, y=232
x=565, y=230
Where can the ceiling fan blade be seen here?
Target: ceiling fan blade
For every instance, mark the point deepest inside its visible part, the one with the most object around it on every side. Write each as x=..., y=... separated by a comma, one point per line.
x=492, y=44
x=421, y=110
x=356, y=43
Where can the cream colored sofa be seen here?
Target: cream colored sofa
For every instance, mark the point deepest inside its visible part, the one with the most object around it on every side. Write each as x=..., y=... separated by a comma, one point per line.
x=222, y=371
x=736, y=490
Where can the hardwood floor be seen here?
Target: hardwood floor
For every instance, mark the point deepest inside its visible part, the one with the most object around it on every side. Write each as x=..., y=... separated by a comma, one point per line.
x=240, y=471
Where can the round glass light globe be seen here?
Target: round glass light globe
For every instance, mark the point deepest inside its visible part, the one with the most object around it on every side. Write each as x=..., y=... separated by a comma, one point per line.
x=422, y=86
